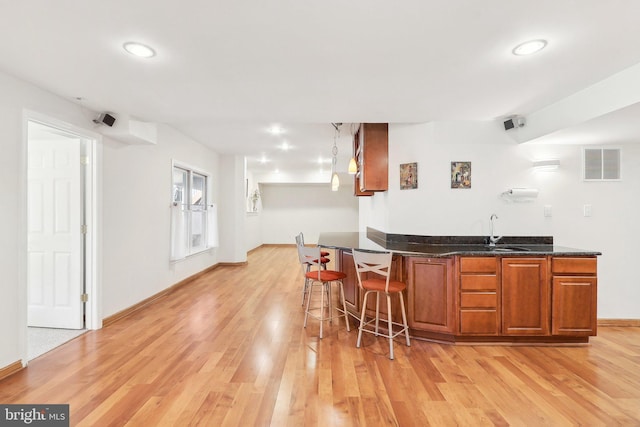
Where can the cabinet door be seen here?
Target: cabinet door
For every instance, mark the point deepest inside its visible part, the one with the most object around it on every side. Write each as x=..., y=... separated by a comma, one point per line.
x=574, y=306
x=431, y=298
x=525, y=296
x=350, y=283
x=373, y=158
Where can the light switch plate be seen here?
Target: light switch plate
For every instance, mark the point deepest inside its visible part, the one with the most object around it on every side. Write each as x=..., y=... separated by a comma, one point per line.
x=547, y=211
x=587, y=210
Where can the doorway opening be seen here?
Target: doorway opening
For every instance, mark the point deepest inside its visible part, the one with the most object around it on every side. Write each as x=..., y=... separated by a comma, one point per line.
x=60, y=241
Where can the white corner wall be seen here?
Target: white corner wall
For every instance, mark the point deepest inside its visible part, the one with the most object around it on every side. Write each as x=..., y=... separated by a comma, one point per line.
x=498, y=163
x=232, y=211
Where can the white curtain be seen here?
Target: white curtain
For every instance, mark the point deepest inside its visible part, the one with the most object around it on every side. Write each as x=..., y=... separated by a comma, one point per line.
x=178, y=233
x=212, y=226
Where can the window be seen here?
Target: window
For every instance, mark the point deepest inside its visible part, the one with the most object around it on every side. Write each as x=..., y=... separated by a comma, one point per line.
x=193, y=220
x=601, y=164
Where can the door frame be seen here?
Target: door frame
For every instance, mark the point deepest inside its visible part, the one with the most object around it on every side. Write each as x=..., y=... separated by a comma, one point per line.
x=93, y=198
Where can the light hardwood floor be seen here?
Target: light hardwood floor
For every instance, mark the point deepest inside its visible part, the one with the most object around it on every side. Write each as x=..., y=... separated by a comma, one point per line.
x=229, y=349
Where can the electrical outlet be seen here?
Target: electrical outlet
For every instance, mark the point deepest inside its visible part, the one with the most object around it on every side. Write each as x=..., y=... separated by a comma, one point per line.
x=547, y=211
x=587, y=210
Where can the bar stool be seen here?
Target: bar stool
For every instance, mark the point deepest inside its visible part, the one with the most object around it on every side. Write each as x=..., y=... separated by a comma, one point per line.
x=322, y=278
x=323, y=260
x=301, y=237
x=378, y=267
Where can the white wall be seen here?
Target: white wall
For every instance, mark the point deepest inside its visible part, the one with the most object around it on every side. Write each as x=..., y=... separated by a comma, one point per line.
x=136, y=219
x=288, y=209
x=136, y=185
x=499, y=163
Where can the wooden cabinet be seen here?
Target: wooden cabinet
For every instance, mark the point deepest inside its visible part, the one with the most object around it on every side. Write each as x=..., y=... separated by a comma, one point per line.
x=372, y=158
x=479, y=303
x=431, y=305
x=525, y=296
x=574, y=296
x=489, y=298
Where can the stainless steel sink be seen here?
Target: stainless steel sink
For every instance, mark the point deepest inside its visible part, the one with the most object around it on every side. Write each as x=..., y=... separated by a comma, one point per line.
x=508, y=249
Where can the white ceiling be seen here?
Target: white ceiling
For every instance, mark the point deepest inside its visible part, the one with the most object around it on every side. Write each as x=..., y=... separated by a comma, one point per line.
x=226, y=71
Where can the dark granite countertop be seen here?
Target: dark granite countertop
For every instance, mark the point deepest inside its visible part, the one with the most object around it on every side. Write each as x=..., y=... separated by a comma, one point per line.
x=445, y=246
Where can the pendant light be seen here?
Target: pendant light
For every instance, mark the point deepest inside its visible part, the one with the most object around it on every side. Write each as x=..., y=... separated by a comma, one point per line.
x=353, y=166
x=335, y=181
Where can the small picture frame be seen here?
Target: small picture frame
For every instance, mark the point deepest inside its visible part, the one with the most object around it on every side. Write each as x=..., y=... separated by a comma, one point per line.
x=408, y=176
x=460, y=174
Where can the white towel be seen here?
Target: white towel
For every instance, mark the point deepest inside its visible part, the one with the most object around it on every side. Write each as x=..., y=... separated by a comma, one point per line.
x=178, y=233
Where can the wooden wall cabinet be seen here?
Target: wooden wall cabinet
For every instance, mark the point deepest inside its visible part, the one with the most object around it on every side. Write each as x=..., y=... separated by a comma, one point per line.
x=372, y=157
x=574, y=295
x=432, y=302
x=525, y=296
x=479, y=312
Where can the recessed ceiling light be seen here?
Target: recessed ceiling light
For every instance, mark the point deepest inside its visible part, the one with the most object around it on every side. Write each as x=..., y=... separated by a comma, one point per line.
x=529, y=47
x=138, y=49
x=276, y=130
x=285, y=146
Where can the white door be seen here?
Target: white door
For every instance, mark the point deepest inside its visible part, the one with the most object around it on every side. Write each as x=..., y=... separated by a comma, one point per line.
x=55, y=245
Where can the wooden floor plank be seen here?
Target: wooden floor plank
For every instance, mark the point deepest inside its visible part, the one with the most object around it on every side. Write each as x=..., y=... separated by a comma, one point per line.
x=229, y=349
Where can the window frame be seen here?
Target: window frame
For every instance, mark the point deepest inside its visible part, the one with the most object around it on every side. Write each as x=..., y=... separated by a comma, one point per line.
x=188, y=205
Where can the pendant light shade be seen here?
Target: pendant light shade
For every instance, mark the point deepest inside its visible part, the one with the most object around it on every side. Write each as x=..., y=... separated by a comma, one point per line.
x=353, y=167
x=335, y=182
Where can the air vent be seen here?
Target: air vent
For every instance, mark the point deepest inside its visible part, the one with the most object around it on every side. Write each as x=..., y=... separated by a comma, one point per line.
x=601, y=164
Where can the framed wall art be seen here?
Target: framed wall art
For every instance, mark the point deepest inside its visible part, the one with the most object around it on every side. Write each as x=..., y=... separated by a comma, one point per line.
x=408, y=176
x=460, y=174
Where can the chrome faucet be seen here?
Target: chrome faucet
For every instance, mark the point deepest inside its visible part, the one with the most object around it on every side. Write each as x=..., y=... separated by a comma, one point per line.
x=493, y=239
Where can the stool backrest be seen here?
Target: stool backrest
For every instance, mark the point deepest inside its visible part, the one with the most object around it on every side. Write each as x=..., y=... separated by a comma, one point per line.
x=373, y=262
x=309, y=256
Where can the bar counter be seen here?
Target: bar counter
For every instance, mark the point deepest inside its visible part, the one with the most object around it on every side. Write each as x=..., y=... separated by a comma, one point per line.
x=460, y=289
x=446, y=246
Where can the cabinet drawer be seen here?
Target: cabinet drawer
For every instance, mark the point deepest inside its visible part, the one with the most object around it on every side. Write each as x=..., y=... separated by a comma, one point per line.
x=478, y=282
x=478, y=264
x=568, y=265
x=478, y=300
x=479, y=322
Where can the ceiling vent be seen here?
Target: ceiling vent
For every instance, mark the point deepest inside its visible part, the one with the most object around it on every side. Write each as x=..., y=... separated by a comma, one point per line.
x=601, y=164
